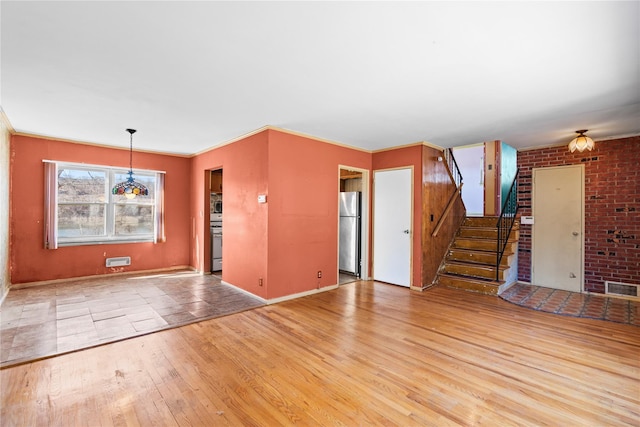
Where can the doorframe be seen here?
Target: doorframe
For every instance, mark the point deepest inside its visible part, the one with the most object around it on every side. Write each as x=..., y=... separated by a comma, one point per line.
x=468, y=187
x=365, y=273
x=582, y=219
x=411, y=222
x=206, y=263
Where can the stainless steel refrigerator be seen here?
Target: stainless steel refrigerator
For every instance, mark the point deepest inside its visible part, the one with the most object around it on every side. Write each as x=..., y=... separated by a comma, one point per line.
x=349, y=251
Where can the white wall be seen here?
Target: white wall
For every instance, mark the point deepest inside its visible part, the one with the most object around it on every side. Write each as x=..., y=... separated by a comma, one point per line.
x=4, y=210
x=470, y=160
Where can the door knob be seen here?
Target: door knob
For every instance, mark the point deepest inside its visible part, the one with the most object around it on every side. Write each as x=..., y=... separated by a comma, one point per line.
x=406, y=231
x=575, y=233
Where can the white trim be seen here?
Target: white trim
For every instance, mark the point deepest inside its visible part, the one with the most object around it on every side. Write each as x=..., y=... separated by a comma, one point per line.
x=4, y=295
x=613, y=294
x=94, y=276
x=244, y=291
x=110, y=204
x=581, y=273
x=412, y=231
x=286, y=297
x=365, y=220
x=90, y=165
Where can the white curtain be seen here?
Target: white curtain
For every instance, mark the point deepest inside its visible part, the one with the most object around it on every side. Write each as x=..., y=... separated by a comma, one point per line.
x=50, y=205
x=160, y=236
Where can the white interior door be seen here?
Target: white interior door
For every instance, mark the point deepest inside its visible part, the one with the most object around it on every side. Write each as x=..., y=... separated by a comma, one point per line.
x=392, y=208
x=558, y=230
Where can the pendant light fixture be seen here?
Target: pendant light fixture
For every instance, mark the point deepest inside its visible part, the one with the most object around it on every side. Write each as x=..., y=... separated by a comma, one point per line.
x=130, y=188
x=581, y=142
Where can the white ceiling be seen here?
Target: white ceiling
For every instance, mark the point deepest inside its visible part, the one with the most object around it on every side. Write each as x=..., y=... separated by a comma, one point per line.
x=192, y=75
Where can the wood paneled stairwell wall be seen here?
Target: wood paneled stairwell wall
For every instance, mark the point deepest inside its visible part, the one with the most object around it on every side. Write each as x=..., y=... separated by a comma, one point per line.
x=437, y=187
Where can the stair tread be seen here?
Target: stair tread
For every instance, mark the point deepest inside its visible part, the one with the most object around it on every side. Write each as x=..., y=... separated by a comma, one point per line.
x=479, y=252
x=476, y=262
x=462, y=263
x=470, y=260
x=486, y=286
x=491, y=239
x=473, y=279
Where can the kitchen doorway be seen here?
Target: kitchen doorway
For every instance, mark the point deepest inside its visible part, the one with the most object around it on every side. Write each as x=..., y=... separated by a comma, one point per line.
x=353, y=207
x=215, y=220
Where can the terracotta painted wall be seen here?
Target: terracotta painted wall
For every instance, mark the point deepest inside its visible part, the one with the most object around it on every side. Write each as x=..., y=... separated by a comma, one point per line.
x=245, y=170
x=303, y=211
x=612, y=209
x=288, y=239
x=405, y=157
x=30, y=262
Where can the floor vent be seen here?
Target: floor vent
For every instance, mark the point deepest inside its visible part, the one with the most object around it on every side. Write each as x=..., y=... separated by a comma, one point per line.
x=624, y=289
x=118, y=261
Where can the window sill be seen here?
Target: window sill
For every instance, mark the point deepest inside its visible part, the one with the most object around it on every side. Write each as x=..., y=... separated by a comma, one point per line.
x=62, y=244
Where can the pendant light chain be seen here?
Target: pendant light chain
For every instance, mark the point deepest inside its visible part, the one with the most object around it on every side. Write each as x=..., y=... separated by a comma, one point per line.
x=130, y=188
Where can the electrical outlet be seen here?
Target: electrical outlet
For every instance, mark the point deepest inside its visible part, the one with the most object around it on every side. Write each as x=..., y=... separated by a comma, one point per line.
x=319, y=274
x=260, y=281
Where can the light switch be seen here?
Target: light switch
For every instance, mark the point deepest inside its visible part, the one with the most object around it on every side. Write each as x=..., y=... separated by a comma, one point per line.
x=262, y=198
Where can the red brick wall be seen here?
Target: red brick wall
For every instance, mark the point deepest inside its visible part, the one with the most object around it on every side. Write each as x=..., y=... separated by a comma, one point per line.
x=612, y=209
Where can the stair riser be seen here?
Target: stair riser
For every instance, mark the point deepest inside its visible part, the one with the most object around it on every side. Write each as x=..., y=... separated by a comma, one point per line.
x=480, y=245
x=487, y=221
x=488, y=258
x=486, y=233
x=470, y=261
x=468, y=286
x=482, y=272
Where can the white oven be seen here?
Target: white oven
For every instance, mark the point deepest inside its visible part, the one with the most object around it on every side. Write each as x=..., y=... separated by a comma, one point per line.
x=216, y=245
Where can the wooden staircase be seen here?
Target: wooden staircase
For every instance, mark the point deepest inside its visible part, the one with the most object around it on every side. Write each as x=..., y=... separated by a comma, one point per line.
x=470, y=262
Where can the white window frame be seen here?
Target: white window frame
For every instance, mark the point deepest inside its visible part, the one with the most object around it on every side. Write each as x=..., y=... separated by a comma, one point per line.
x=52, y=240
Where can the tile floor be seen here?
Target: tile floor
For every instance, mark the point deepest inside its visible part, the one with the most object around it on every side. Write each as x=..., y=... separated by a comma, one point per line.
x=52, y=319
x=346, y=278
x=574, y=304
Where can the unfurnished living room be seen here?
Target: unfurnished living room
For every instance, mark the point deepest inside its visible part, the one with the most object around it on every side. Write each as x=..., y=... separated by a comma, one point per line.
x=319, y=213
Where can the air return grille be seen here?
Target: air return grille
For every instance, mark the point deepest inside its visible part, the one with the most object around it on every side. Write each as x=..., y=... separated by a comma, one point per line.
x=118, y=261
x=625, y=289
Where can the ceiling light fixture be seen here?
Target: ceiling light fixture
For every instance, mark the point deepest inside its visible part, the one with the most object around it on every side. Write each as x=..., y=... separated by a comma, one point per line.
x=581, y=142
x=130, y=188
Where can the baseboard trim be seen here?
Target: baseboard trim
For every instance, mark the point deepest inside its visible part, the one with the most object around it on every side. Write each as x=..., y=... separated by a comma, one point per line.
x=286, y=297
x=96, y=276
x=4, y=294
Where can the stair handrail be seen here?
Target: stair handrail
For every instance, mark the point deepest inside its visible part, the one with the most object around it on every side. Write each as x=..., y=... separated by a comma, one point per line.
x=447, y=209
x=456, y=177
x=454, y=170
x=506, y=220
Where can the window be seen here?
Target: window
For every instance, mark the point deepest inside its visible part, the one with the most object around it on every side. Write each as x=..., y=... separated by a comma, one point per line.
x=82, y=210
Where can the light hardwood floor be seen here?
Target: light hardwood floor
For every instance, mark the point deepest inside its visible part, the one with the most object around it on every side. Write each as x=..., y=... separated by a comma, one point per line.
x=364, y=354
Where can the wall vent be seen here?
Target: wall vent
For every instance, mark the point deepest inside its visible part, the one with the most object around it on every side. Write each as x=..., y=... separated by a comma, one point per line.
x=118, y=261
x=619, y=288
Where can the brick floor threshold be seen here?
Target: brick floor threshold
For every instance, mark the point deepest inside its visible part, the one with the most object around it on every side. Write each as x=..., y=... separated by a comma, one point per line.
x=574, y=304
